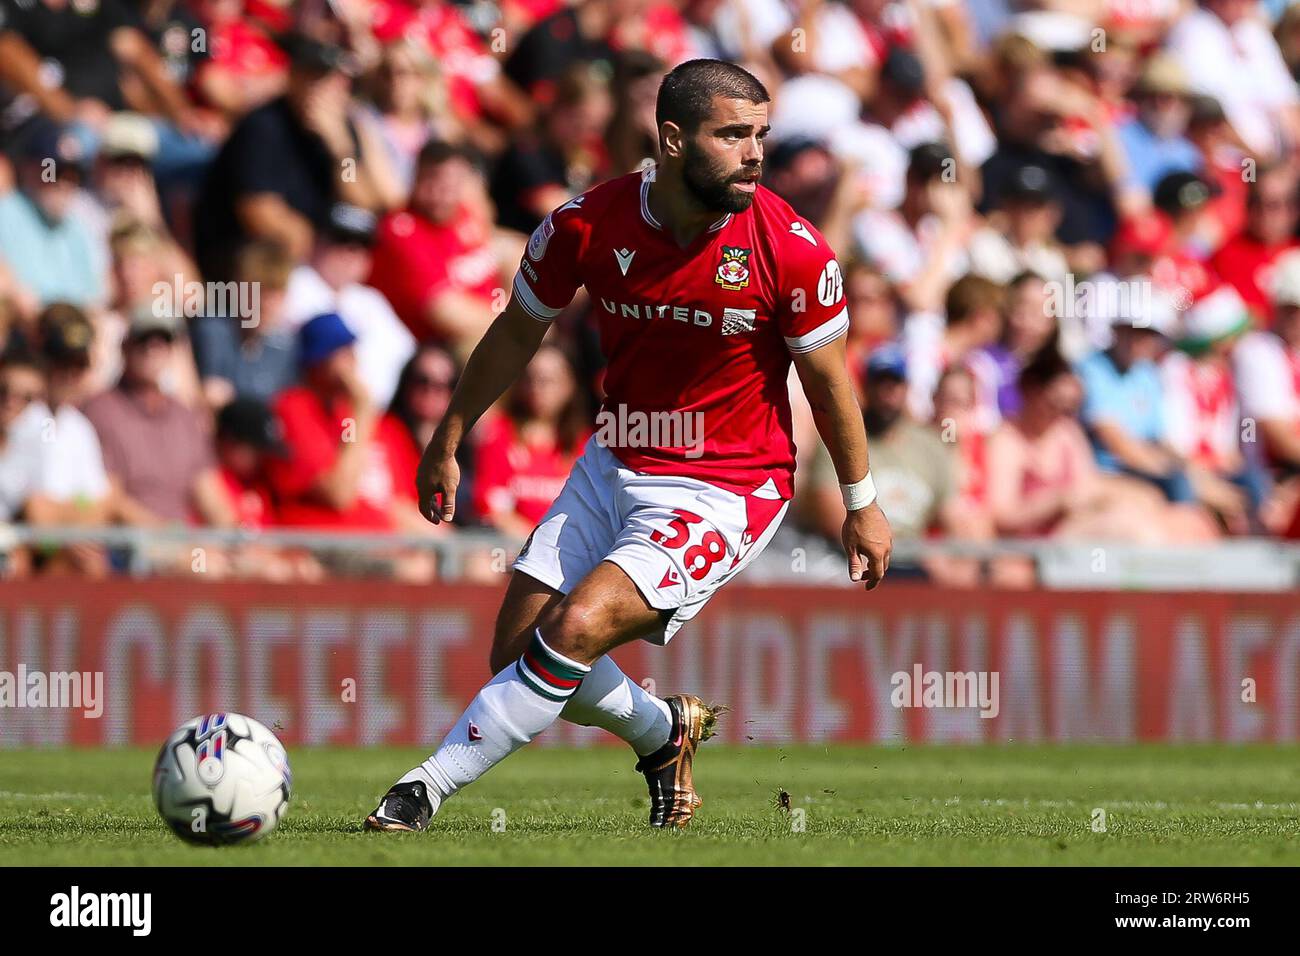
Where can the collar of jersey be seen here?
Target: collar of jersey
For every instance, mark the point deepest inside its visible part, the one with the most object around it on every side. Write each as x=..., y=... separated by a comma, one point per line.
x=647, y=177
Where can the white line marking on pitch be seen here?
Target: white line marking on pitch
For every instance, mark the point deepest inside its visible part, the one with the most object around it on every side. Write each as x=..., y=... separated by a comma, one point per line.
x=1117, y=804
x=57, y=795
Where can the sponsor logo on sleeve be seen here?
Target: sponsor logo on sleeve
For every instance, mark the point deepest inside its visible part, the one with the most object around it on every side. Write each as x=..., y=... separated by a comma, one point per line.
x=540, y=239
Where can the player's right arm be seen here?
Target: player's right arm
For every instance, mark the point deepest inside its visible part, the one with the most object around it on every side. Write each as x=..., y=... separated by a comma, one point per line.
x=545, y=284
x=495, y=364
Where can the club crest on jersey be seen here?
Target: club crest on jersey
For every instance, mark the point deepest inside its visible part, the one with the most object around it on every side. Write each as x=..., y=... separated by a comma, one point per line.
x=733, y=270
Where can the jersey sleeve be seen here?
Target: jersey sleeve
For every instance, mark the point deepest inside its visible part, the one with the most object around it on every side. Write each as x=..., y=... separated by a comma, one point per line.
x=548, y=273
x=812, y=311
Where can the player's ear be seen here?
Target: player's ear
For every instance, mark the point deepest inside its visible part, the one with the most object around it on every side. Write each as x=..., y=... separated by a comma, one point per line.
x=672, y=139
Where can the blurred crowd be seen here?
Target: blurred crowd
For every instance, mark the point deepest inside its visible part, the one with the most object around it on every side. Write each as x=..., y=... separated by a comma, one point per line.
x=247, y=245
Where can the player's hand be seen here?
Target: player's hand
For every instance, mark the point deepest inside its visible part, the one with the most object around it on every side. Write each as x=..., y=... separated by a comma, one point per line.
x=435, y=484
x=868, y=543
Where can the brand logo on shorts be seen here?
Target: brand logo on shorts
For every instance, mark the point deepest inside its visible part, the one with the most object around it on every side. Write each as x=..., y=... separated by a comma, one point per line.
x=671, y=578
x=474, y=732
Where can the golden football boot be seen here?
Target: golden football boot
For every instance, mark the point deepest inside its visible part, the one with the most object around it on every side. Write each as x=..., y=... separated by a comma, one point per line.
x=668, y=770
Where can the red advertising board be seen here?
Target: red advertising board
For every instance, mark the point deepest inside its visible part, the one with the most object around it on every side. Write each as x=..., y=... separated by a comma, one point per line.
x=362, y=663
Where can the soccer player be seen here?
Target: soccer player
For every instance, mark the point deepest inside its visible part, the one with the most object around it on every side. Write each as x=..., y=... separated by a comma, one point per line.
x=706, y=286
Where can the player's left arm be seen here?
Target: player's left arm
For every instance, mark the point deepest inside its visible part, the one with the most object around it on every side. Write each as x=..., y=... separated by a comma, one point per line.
x=826, y=383
x=814, y=321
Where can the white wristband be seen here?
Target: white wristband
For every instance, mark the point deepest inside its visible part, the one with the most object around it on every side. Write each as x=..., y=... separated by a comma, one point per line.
x=859, y=494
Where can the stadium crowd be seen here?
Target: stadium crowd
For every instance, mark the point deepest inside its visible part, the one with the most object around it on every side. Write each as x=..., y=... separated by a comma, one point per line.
x=246, y=245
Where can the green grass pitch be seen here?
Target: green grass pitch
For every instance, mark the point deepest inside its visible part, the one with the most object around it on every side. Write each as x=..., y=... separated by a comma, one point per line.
x=860, y=805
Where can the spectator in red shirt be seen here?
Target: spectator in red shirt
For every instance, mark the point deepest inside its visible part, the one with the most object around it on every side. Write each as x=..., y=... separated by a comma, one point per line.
x=244, y=68
x=420, y=400
x=247, y=433
x=526, y=453
x=338, y=471
x=248, y=436
x=1247, y=259
x=435, y=261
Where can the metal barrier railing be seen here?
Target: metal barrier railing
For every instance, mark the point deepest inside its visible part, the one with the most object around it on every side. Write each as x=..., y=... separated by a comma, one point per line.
x=1241, y=564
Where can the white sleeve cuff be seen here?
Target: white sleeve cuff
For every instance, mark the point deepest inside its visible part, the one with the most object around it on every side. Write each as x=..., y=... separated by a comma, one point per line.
x=532, y=305
x=827, y=332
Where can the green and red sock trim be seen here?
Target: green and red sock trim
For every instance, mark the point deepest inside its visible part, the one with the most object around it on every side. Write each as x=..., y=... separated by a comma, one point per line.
x=548, y=674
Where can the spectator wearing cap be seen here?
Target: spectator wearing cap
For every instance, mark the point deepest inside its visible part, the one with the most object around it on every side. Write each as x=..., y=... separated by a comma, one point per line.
x=1272, y=216
x=341, y=469
x=248, y=436
x=1154, y=139
x=50, y=251
x=921, y=246
x=1124, y=403
x=279, y=172
x=250, y=356
x=1021, y=232
x=1229, y=53
x=1184, y=198
x=1044, y=121
x=1267, y=365
x=873, y=312
x=1203, y=413
x=436, y=260
x=148, y=272
x=246, y=433
x=157, y=451
x=66, y=481
x=334, y=281
x=915, y=472
x=123, y=190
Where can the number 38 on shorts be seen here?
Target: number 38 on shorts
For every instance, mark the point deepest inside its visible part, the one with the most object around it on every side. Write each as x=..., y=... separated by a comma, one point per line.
x=708, y=549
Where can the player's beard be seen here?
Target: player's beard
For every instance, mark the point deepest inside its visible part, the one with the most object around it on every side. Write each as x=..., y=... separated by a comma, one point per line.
x=711, y=186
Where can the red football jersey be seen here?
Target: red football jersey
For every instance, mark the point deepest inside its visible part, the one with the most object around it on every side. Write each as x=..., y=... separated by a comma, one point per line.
x=703, y=333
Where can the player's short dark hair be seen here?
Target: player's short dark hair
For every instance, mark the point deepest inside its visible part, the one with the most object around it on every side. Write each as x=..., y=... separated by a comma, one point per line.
x=687, y=92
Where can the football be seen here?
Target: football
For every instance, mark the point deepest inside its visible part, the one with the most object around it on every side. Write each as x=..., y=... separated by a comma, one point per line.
x=222, y=778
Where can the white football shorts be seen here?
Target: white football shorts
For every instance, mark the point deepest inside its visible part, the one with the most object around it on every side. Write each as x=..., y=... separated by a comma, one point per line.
x=678, y=539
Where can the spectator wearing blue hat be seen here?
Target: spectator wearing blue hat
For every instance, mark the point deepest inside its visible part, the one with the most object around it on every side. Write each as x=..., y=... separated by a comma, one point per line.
x=342, y=467
x=914, y=470
x=49, y=250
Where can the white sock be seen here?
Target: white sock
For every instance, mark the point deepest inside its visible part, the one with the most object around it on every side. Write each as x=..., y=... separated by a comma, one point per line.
x=514, y=707
x=610, y=700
